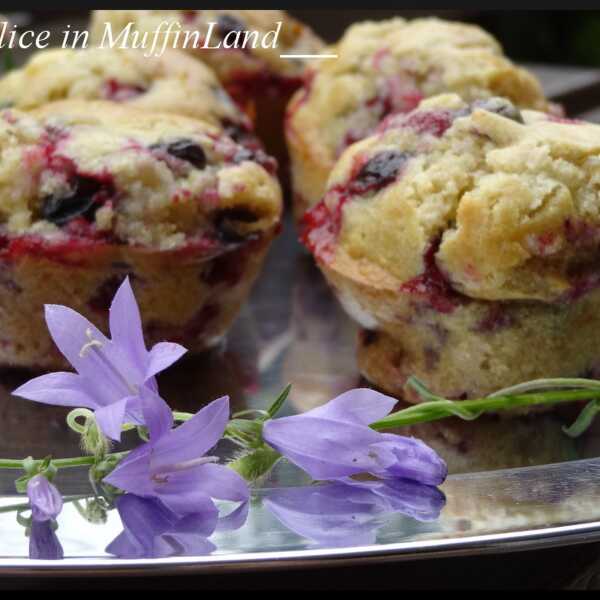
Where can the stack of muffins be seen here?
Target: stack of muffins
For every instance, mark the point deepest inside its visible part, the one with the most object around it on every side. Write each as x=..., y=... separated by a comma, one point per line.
x=454, y=211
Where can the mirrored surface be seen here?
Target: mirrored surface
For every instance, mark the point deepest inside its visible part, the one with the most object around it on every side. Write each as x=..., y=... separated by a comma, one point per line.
x=293, y=331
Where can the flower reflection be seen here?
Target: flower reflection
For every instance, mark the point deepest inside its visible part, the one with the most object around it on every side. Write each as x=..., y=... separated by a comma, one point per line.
x=43, y=542
x=151, y=530
x=349, y=513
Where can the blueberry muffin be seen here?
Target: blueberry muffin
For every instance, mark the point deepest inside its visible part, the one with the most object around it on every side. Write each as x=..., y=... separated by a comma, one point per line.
x=91, y=192
x=173, y=82
x=257, y=78
x=461, y=236
x=388, y=67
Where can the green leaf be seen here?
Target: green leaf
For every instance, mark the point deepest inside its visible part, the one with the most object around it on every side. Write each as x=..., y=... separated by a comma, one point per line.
x=279, y=402
x=584, y=419
x=246, y=432
x=21, y=484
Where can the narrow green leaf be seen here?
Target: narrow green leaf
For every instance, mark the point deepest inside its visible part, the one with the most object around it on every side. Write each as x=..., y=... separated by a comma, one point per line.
x=279, y=402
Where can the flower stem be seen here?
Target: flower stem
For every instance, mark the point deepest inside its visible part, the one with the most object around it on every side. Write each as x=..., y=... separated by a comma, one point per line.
x=59, y=463
x=25, y=505
x=436, y=407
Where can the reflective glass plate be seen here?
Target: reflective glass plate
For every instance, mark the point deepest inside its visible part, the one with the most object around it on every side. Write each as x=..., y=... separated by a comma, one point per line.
x=515, y=483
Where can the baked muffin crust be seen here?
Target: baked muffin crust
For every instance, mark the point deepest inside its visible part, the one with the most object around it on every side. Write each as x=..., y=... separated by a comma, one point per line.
x=388, y=67
x=173, y=82
x=503, y=201
x=150, y=179
x=460, y=236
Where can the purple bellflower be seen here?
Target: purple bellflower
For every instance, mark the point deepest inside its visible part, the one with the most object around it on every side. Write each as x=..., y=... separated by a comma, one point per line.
x=172, y=466
x=112, y=374
x=45, y=500
x=335, y=441
x=46, y=503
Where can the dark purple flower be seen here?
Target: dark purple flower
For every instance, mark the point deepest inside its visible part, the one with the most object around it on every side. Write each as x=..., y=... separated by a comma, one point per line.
x=172, y=466
x=350, y=513
x=43, y=543
x=335, y=441
x=151, y=530
x=111, y=373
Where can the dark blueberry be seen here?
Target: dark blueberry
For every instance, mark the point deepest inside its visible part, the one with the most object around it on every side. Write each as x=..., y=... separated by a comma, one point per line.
x=368, y=336
x=500, y=106
x=83, y=201
x=227, y=24
x=225, y=224
x=379, y=171
x=184, y=150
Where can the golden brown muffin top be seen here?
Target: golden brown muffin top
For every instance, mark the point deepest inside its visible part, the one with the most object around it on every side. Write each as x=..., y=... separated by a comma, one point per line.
x=496, y=203
x=173, y=82
x=157, y=180
x=390, y=66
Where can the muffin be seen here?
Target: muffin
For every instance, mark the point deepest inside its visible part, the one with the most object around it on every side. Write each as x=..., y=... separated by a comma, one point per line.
x=462, y=237
x=91, y=192
x=257, y=78
x=387, y=67
x=173, y=83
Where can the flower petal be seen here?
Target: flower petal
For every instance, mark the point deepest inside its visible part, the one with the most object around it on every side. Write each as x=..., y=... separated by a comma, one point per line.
x=331, y=514
x=413, y=499
x=60, y=389
x=194, y=438
x=409, y=458
x=142, y=519
x=126, y=328
x=181, y=544
x=183, y=498
x=132, y=474
x=158, y=417
x=218, y=481
x=68, y=330
x=125, y=546
x=235, y=519
x=362, y=406
x=110, y=418
x=43, y=542
x=325, y=449
x=163, y=355
x=45, y=500
x=200, y=523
